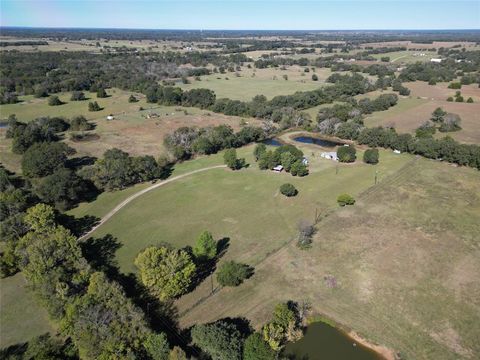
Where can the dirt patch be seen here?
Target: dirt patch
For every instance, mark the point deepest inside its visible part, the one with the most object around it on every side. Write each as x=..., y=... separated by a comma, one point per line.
x=387, y=353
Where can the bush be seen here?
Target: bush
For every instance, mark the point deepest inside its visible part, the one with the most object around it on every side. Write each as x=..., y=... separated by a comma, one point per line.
x=288, y=190
x=450, y=98
x=77, y=96
x=231, y=160
x=93, y=106
x=232, y=273
x=132, y=99
x=298, y=169
x=54, y=101
x=459, y=98
x=79, y=123
x=101, y=93
x=469, y=100
x=370, y=156
x=455, y=85
x=345, y=199
x=314, y=77
x=346, y=154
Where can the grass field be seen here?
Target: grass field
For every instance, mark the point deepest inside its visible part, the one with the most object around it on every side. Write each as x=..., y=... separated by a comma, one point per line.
x=131, y=130
x=247, y=86
x=412, y=111
x=21, y=318
x=405, y=279
x=407, y=56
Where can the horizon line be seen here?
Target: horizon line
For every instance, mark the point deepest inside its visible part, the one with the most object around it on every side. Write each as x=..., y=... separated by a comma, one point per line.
x=218, y=29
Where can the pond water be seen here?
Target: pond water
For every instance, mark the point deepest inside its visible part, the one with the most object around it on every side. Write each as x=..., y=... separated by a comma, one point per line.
x=312, y=140
x=272, y=142
x=324, y=342
x=3, y=125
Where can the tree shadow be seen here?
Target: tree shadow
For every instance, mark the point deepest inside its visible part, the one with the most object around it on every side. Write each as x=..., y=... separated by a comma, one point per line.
x=100, y=253
x=78, y=226
x=14, y=351
x=241, y=323
x=79, y=162
x=166, y=171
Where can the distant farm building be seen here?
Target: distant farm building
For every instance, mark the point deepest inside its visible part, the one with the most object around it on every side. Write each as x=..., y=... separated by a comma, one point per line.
x=436, y=60
x=110, y=117
x=329, y=155
x=397, y=151
x=305, y=161
x=278, y=168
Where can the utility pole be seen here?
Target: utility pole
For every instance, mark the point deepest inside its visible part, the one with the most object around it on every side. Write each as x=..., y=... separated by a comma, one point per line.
x=376, y=174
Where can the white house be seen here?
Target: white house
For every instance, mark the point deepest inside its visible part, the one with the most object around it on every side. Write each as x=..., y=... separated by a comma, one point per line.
x=436, y=60
x=396, y=151
x=278, y=168
x=110, y=117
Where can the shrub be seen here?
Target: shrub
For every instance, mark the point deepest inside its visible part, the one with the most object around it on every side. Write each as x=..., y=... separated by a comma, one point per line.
x=459, y=99
x=232, y=273
x=455, y=85
x=288, y=190
x=370, y=156
x=231, y=160
x=314, y=77
x=345, y=199
x=346, y=154
x=77, y=96
x=79, y=123
x=469, y=100
x=205, y=248
x=101, y=93
x=54, y=101
x=450, y=98
x=93, y=106
x=132, y=99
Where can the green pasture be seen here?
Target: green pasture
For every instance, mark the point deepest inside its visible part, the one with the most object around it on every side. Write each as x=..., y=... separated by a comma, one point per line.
x=21, y=317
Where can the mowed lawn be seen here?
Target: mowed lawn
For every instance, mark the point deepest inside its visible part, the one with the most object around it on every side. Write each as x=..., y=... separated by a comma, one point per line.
x=21, y=317
x=406, y=260
x=244, y=206
x=268, y=82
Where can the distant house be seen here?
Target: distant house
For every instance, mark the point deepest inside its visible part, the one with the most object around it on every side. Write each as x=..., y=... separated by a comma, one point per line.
x=305, y=161
x=329, y=155
x=278, y=168
x=110, y=117
x=436, y=60
x=397, y=151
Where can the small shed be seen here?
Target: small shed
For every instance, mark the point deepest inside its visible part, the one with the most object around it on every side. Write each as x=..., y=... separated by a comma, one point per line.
x=305, y=161
x=278, y=168
x=110, y=117
x=396, y=151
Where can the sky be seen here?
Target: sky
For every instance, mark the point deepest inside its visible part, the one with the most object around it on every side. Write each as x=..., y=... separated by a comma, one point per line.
x=243, y=15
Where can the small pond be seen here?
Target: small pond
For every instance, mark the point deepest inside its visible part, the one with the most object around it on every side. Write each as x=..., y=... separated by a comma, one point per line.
x=320, y=142
x=272, y=142
x=3, y=125
x=324, y=342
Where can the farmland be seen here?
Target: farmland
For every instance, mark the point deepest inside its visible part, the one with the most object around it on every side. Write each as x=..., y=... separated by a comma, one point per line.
x=415, y=109
x=396, y=262
x=268, y=82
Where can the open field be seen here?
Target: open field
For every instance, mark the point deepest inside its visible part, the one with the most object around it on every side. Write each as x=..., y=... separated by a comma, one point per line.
x=268, y=82
x=412, y=45
x=131, y=131
x=412, y=111
x=405, y=279
x=249, y=241
x=21, y=317
x=407, y=56
x=116, y=104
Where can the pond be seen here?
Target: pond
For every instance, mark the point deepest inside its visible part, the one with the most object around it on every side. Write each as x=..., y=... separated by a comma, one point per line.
x=3, y=125
x=316, y=141
x=272, y=142
x=324, y=342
